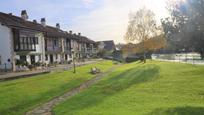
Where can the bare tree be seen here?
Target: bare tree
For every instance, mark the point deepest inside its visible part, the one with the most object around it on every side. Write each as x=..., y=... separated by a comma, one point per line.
x=142, y=26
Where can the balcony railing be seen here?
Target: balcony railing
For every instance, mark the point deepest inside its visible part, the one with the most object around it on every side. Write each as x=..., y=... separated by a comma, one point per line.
x=67, y=50
x=91, y=50
x=53, y=49
x=87, y=50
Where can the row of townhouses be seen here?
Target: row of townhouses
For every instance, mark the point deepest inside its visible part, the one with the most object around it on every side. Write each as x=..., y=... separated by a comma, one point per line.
x=30, y=41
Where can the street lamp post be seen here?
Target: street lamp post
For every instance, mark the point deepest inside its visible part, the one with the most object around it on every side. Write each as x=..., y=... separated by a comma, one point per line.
x=5, y=68
x=74, y=66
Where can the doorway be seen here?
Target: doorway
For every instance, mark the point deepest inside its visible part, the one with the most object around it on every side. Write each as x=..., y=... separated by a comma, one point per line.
x=51, y=58
x=32, y=59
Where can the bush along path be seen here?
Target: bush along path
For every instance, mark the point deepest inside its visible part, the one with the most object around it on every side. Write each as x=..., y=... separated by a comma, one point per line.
x=46, y=109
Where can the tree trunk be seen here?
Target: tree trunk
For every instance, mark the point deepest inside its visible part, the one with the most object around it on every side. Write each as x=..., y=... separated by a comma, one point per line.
x=74, y=66
x=144, y=57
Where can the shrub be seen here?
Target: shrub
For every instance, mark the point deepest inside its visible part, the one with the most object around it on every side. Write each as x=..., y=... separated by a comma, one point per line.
x=21, y=63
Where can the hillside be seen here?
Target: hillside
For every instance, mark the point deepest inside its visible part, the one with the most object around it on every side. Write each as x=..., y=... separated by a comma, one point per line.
x=158, y=88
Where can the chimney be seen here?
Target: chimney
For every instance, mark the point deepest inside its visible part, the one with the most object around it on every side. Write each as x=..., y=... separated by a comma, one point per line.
x=79, y=34
x=70, y=32
x=35, y=21
x=43, y=22
x=57, y=25
x=24, y=15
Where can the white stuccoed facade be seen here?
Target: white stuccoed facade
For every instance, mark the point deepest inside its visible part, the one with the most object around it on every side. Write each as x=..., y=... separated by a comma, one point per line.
x=5, y=47
x=7, y=53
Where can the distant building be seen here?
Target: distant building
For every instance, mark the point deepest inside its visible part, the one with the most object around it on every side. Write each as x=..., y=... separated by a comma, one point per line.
x=106, y=48
x=108, y=45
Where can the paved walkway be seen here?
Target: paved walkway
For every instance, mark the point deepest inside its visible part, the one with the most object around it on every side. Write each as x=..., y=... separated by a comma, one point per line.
x=46, y=109
x=16, y=75
x=70, y=66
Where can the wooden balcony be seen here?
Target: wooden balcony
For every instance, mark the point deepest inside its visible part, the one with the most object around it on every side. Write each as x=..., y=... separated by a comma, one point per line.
x=25, y=44
x=67, y=50
x=53, y=49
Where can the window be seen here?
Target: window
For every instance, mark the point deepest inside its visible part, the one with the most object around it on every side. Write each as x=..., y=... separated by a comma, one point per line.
x=32, y=40
x=30, y=43
x=46, y=57
x=65, y=56
x=21, y=43
x=36, y=40
x=23, y=58
x=27, y=43
x=68, y=45
x=16, y=39
x=39, y=57
x=55, y=43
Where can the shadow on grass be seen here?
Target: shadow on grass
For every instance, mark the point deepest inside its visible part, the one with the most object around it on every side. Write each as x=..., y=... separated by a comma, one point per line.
x=179, y=111
x=128, y=78
x=109, y=87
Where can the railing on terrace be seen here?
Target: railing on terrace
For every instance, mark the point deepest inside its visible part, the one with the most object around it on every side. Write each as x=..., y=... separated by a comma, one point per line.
x=192, y=58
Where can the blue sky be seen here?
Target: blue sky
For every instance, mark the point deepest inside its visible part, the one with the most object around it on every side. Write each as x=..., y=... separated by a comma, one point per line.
x=62, y=11
x=96, y=19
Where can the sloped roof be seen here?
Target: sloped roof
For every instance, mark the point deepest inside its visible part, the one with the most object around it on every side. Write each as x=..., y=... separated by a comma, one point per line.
x=54, y=32
x=49, y=31
x=86, y=40
x=17, y=22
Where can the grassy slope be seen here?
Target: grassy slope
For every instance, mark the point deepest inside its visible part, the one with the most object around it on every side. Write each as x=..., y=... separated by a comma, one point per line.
x=158, y=88
x=18, y=96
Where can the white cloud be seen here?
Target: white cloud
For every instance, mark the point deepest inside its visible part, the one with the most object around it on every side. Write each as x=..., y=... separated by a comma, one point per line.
x=110, y=20
x=87, y=2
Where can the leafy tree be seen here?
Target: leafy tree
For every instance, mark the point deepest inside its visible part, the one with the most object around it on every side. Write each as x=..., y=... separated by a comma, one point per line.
x=141, y=27
x=151, y=45
x=185, y=27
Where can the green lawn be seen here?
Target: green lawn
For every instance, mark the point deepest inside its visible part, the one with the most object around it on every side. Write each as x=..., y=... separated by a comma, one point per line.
x=19, y=96
x=155, y=88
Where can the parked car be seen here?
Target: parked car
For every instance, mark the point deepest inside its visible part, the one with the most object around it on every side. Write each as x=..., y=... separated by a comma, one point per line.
x=130, y=59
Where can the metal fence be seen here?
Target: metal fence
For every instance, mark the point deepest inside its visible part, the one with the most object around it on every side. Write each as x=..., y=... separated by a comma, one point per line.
x=192, y=58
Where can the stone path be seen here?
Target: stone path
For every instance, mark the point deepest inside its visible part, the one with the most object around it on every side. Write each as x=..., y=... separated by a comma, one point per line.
x=46, y=109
